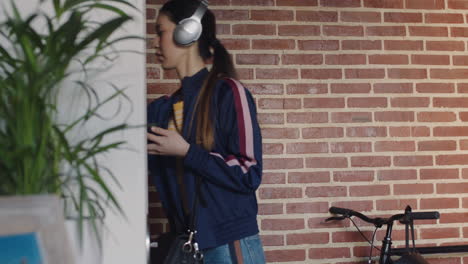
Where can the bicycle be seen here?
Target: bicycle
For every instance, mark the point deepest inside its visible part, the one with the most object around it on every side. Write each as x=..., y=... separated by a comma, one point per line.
x=406, y=254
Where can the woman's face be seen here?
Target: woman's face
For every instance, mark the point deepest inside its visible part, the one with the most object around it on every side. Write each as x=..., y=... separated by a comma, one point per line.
x=168, y=53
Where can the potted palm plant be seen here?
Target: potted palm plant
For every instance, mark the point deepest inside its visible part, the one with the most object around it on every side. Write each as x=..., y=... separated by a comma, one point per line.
x=41, y=55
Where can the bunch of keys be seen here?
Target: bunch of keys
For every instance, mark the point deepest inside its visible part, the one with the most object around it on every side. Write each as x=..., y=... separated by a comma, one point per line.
x=191, y=246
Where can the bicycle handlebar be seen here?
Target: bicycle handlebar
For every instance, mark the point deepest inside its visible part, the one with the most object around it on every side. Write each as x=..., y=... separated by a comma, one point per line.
x=408, y=216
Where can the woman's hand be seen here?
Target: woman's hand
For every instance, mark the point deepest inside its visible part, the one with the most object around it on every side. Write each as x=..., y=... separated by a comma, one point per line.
x=167, y=143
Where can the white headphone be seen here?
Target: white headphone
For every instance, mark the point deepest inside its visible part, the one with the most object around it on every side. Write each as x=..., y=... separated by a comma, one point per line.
x=189, y=29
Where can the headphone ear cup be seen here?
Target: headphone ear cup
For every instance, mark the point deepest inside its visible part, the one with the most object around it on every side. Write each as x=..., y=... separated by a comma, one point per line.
x=187, y=31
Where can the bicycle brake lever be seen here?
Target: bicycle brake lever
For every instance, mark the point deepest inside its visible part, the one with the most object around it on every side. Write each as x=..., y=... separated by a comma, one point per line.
x=335, y=218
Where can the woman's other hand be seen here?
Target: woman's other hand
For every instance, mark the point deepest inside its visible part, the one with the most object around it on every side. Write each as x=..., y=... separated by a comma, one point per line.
x=167, y=143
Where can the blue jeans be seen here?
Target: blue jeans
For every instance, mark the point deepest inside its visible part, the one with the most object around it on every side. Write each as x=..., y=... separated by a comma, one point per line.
x=252, y=252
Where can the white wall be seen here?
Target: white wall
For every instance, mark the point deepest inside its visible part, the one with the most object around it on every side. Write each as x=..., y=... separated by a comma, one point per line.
x=124, y=241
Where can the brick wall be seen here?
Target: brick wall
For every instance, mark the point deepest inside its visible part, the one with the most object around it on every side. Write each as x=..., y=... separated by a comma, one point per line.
x=362, y=104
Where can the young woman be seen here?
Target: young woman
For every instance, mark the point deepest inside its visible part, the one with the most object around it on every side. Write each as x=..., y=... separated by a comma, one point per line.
x=206, y=132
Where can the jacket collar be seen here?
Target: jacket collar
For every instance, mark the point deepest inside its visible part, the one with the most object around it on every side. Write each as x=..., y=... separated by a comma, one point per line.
x=192, y=84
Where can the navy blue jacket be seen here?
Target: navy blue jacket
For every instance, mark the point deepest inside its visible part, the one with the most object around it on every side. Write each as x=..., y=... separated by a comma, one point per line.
x=231, y=172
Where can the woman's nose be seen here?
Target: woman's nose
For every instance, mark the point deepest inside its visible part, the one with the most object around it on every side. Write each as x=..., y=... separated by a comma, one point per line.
x=155, y=42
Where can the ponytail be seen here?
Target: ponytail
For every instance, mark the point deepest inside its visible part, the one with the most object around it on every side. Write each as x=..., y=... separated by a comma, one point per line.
x=222, y=68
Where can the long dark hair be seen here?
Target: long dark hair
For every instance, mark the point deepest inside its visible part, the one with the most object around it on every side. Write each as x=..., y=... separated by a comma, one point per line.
x=222, y=67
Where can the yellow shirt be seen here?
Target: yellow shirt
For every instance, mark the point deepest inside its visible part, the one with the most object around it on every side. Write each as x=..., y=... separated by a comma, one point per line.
x=179, y=117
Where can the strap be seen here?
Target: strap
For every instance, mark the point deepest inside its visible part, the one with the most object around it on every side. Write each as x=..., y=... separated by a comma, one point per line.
x=235, y=251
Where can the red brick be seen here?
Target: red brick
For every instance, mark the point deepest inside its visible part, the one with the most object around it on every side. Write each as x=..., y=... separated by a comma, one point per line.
x=403, y=44
x=397, y=17
x=307, y=118
x=413, y=161
x=365, y=73
x=345, y=59
x=453, y=218
x=261, y=59
x=276, y=73
x=459, y=32
x=223, y=29
x=335, y=162
x=268, y=44
x=298, y=30
x=439, y=232
x=449, y=74
x=324, y=102
x=343, y=31
x=309, y=177
x=307, y=208
x=462, y=87
x=351, y=117
x=360, y=206
x=450, y=102
x=253, y=2
x=222, y=15
x=366, y=132
x=388, y=59
x=322, y=132
x=321, y=74
x=317, y=44
x=348, y=88
x=302, y=59
x=445, y=18
x=307, y=88
x=296, y=2
x=383, y=3
x=397, y=175
x=306, y=148
x=463, y=116
x=437, y=203
x=457, y=4
x=407, y=73
x=326, y=191
x=430, y=59
x=361, y=44
x=433, y=174
x=270, y=118
x=245, y=74
x=388, y=146
x=437, y=145
x=272, y=240
x=283, y=163
x=266, y=88
x=278, y=103
x=424, y=4
x=340, y=3
x=402, y=102
x=270, y=209
x=427, y=31
x=329, y=253
x=464, y=146
x=282, y=224
x=271, y=15
x=350, y=147
x=349, y=236
x=272, y=148
x=398, y=204
x=419, y=131
x=461, y=159
x=460, y=60
x=369, y=190
x=279, y=193
x=435, y=87
x=393, y=88
x=367, y=102
x=152, y=73
x=456, y=131
x=394, y=116
x=370, y=161
x=420, y=188
x=316, y=16
x=353, y=176
x=386, y=31
x=283, y=255
x=273, y=178
x=445, y=45
x=307, y=238
x=371, y=17
x=236, y=44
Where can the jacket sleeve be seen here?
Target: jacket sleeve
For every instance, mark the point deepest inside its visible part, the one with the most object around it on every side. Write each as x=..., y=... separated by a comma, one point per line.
x=240, y=167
